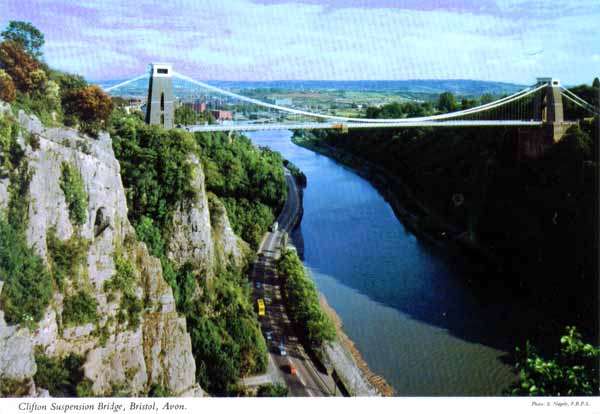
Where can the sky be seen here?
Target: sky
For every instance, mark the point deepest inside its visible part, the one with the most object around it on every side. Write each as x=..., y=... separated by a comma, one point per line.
x=499, y=40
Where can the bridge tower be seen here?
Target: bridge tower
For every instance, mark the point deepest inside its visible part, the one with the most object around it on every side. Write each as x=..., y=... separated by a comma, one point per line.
x=159, y=108
x=548, y=108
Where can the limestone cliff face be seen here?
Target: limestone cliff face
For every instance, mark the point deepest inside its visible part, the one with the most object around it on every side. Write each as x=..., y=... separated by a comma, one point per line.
x=119, y=358
x=201, y=232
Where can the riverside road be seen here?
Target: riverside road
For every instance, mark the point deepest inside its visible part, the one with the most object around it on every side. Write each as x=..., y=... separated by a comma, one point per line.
x=276, y=325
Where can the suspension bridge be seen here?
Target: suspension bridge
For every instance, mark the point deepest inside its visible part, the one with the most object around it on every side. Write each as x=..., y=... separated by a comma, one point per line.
x=539, y=105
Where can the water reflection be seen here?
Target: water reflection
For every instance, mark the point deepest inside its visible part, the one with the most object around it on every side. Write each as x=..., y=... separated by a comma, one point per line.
x=413, y=316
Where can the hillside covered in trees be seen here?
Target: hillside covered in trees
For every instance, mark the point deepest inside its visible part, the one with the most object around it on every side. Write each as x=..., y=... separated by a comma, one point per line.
x=530, y=225
x=197, y=202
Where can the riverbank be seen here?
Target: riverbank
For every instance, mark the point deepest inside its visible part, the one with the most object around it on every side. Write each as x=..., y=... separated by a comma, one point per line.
x=351, y=368
x=347, y=364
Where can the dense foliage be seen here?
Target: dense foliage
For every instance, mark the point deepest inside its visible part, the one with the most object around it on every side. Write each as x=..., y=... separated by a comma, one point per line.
x=226, y=340
x=26, y=35
x=88, y=105
x=55, y=97
x=66, y=257
x=154, y=167
x=572, y=372
x=8, y=92
x=79, y=309
x=298, y=175
x=74, y=190
x=272, y=390
x=303, y=300
x=27, y=286
x=157, y=174
x=184, y=115
x=60, y=376
x=249, y=181
x=535, y=219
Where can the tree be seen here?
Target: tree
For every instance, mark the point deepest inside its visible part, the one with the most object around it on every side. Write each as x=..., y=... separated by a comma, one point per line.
x=7, y=87
x=184, y=115
x=24, y=70
x=90, y=106
x=447, y=102
x=596, y=83
x=486, y=98
x=467, y=103
x=25, y=35
x=572, y=372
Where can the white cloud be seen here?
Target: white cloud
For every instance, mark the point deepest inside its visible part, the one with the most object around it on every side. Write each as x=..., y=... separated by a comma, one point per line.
x=241, y=40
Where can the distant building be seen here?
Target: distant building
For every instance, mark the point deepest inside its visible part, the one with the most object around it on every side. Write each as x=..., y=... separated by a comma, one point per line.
x=222, y=115
x=134, y=105
x=197, y=106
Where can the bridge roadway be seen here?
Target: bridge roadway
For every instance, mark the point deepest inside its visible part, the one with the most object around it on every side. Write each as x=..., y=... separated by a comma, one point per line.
x=350, y=125
x=308, y=380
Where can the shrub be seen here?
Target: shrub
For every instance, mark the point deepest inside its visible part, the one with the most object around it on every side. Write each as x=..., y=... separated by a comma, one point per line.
x=79, y=309
x=303, y=300
x=272, y=390
x=158, y=391
x=90, y=105
x=572, y=372
x=124, y=278
x=8, y=92
x=66, y=257
x=130, y=310
x=75, y=195
x=24, y=70
x=61, y=377
x=27, y=286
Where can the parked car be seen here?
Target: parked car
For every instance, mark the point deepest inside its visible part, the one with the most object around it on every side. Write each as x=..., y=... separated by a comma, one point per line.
x=269, y=335
x=282, y=351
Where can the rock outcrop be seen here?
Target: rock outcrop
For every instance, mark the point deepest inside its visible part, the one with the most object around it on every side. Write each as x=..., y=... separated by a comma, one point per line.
x=119, y=357
x=202, y=237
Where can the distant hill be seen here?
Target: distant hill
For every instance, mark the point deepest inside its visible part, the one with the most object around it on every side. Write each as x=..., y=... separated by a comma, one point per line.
x=456, y=86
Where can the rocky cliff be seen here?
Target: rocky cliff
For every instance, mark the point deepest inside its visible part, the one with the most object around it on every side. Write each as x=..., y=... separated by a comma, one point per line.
x=134, y=339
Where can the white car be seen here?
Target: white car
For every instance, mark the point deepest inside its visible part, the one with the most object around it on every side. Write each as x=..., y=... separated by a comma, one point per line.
x=282, y=351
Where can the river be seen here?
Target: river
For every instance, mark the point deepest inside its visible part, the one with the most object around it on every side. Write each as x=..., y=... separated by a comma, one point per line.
x=410, y=310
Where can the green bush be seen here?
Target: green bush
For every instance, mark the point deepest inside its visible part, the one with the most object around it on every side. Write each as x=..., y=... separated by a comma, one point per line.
x=303, y=300
x=124, y=278
x=75, y=195
x=130, y=311
x=158, y=391
x=61, y=377
x=249, y=181
x=272, y=390
x=226, y=339
x=79, y=309
x=27, y=289
x=66, y=257
x=154, y=168
x=572, y=372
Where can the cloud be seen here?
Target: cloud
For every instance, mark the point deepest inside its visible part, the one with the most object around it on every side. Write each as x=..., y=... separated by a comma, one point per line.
x=508, y=40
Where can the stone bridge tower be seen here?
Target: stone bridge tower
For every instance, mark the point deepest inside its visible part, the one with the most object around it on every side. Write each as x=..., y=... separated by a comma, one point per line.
x=159, y=108
x=548, y=108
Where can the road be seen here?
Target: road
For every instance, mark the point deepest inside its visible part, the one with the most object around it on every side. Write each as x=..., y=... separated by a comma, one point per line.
x=276, y=325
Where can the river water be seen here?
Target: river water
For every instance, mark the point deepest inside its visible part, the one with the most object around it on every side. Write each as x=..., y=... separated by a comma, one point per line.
x=410, y=311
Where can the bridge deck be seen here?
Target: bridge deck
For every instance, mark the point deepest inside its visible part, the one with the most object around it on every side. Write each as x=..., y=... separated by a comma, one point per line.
x=350, y=125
